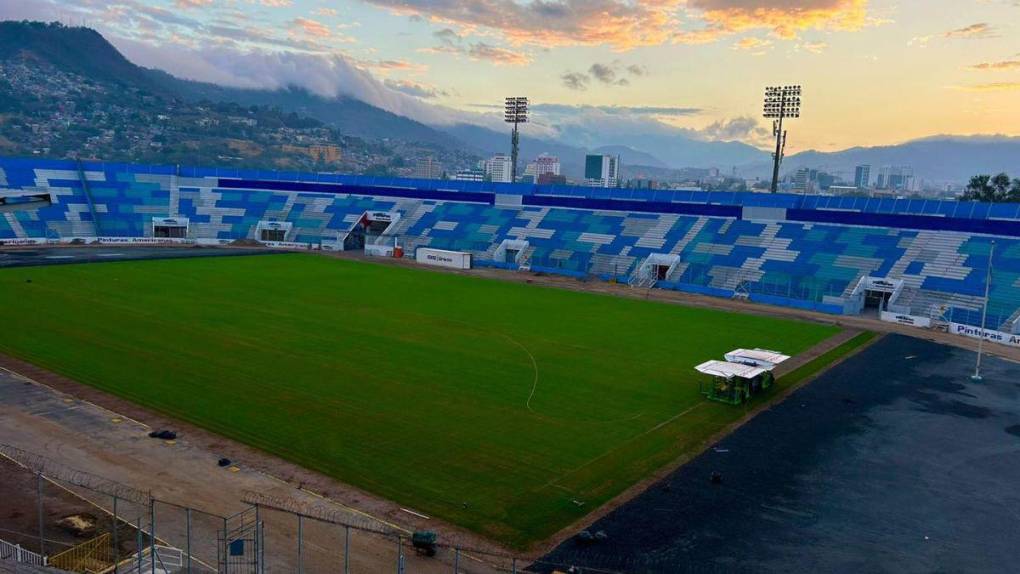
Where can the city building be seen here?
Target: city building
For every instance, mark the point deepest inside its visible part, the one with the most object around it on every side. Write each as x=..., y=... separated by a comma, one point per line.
x=551, y=179
x=602, y=170
x=862, y=176
x=843, y=189
x=802, y=180
x=899, y=178
x=323, y=153
x=543, y=165
x=427, y=168
x=547, y=164
x=498, y=169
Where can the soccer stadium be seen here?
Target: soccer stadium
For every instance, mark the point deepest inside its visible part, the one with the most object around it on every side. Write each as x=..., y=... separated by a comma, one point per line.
x=481, y=377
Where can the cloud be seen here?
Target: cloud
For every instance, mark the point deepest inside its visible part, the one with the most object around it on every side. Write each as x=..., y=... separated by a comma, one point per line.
x=920, y=41
x=744, y=128
x=576, y=81
x=979, y=31
x=752, y=44
x=450, y=42
x=416, y=89
x=626, y=24
x=618, y=110
x=497, y=55
x=1003, y=65
x=606, y=74
x=783, y=19
x=395, y=65
x=637, y=70
x=188, y=4
x=326, y=12
x=991, y=87
x=312, y=27
x=813, y=47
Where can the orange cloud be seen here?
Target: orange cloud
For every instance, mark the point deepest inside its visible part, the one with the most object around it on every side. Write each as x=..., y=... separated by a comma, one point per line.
x=978, y=31
x=186, y=4
x=1005, y=65
x=753, y=44
x=992, y=87
x=783, y=20
x=625, y=24
x=312, y=27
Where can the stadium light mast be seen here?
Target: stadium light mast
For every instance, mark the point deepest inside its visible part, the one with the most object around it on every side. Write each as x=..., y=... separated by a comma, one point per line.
x=516, y=112
x=984, y=317
x=781, y=102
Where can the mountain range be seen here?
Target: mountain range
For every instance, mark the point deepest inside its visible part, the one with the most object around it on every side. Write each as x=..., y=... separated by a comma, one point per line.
x=85, y=52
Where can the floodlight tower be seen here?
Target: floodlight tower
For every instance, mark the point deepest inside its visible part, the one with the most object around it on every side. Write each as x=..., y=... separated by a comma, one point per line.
x=516, y=113
x=976, y=377
x=781, y=102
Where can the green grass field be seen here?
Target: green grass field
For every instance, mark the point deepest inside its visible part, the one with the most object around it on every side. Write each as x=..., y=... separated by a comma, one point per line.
x=411, y=384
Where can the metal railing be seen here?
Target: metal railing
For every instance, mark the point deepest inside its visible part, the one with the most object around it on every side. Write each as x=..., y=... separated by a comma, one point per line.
x=15, y=553
x=91, y=556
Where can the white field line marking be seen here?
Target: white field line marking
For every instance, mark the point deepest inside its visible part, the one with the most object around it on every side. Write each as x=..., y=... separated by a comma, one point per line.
x=413, y=513
x=534, y=365
x=621, y=445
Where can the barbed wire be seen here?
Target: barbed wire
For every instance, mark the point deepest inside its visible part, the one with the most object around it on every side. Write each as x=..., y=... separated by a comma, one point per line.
x=50, y=468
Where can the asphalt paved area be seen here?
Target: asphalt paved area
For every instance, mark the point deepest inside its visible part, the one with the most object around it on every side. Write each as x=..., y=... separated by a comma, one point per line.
x=894, y=461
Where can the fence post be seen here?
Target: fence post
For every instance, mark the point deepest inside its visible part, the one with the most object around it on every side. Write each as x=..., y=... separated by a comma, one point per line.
x=400, y=555
x=513, y=565
x=225, y=549
x=456, y=561
x=152, y=533
x=300, y=541
x=138, y=540
x=116, y=538
x=39, y=501
x=347, y=550
x=187, y=541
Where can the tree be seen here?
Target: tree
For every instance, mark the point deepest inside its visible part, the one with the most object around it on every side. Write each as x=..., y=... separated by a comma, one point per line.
x=993, y=189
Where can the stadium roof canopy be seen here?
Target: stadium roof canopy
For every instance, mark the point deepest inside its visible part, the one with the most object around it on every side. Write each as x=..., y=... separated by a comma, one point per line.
x=758, y=357
x=730, y=370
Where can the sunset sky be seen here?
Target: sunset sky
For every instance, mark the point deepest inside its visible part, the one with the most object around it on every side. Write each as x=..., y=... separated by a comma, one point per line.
x=874, y=71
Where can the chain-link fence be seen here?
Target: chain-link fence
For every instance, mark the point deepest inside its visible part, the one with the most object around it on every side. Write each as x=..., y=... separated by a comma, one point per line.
x=78, y=522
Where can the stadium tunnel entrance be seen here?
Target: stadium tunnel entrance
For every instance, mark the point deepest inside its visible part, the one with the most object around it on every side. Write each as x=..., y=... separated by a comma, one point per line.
x=879, y=291
x=170, y=227
x=273, y=231
x=365, y=232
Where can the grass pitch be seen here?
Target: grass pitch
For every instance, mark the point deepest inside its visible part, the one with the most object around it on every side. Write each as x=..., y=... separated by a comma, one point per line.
x=508, y=409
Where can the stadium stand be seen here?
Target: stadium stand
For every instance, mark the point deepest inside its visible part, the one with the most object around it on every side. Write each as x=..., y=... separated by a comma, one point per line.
x=810, y=252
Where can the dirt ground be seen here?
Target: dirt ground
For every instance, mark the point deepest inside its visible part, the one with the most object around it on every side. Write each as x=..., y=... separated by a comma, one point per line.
x=86, y=429
x=68, y=519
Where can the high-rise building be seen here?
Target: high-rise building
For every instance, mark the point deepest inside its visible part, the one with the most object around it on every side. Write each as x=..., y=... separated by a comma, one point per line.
x=802, y=179
x=543, y=165
x=897, y=178
x=427, y=168
x=498, y=169
x=548, y=164
x=862, y=176
x=602, y=170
